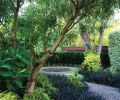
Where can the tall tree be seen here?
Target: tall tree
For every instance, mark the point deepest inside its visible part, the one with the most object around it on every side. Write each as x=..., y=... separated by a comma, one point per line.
x=79, y=10
x=104, y=16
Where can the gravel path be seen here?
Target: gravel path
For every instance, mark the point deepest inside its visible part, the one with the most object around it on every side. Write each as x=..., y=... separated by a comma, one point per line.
x=106, y=92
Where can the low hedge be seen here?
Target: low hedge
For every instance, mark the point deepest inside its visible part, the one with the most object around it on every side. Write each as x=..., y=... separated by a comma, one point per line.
x=67, y=58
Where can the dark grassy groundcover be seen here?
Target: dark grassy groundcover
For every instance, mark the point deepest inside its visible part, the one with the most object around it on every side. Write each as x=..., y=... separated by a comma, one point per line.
x=57, y=88
x=64, y=88
x=103, y=77
x=70, y=90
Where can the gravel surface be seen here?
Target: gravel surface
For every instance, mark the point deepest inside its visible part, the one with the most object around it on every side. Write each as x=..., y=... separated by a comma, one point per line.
x=105, y=92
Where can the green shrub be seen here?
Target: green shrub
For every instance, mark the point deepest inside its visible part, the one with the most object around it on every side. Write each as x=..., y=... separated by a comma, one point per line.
x=37, y=94
x=44, y=82
x=13, y=69
x=114, y=49
x=91, y=62
x=8, y=96
x=75, y=81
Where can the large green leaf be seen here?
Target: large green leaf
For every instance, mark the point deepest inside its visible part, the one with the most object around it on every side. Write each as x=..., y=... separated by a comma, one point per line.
x=6, y=60
x=6, y=66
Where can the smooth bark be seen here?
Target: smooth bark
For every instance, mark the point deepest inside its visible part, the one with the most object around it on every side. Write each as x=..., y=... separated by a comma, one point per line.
x=99, y=47
x=86, y=40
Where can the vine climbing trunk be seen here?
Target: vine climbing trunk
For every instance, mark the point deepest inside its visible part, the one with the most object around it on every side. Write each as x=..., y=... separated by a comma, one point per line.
x=41, y=62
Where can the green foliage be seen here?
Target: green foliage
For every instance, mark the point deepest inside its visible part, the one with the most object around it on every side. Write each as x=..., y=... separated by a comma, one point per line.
x=44, y=82
x=35, y=24
x=37, y=94
x=91, y=62
x=8, y=96
x=114, y=49
x=75, y=81
x=14, y=68
x=39, y=21
x=5, y=12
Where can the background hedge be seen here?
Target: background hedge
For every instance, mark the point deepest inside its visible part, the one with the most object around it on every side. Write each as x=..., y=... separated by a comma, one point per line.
x=114, y=48
x=67, y=58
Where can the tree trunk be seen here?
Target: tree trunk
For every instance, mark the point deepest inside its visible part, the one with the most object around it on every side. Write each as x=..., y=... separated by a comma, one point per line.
x=86, y=40
x=99, y=47
x=15, y=8
x=41, y=62
x=13, y=33
x=1, y=36
x=45, y=49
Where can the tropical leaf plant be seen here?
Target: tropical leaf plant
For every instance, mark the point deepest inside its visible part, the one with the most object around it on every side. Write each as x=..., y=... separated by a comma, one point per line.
x=14, y=68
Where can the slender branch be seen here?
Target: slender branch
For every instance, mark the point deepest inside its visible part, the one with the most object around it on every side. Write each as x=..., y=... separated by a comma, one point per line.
x=73, y=4
x=83, y=15
x=12, y=4
x=3, y=24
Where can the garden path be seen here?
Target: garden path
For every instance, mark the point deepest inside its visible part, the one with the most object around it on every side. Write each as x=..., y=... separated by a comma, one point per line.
x=105, y=92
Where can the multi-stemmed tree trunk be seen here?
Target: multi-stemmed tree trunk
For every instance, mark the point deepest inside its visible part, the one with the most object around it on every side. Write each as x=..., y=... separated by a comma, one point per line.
x=101, y=35
x=86, y=40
